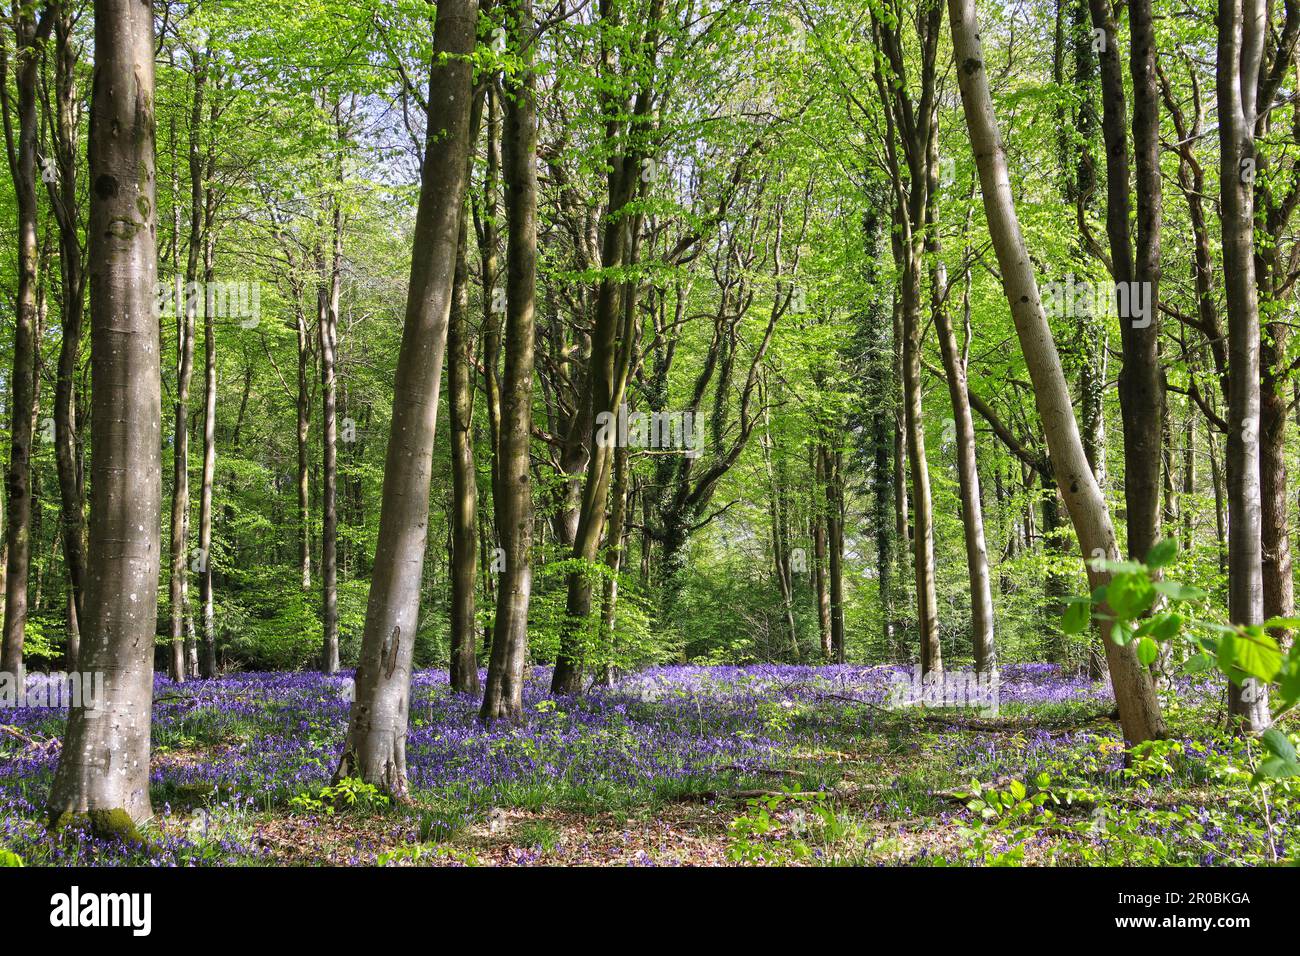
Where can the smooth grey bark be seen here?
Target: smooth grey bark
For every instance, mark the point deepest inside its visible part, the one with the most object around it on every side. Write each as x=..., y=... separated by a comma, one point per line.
x=512, y=494
x=375, y=746
x=303, y=405
x=327, y=313
x=208, y=665
x=186, y=308
x=104, y=764
x=1134, y=692
x=1242, y=25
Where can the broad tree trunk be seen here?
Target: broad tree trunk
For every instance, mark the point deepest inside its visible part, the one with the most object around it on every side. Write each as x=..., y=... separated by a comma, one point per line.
x=1242, y=26
x=1139, y=708
x=375, y=747
x=503, y=695
x=104, y=764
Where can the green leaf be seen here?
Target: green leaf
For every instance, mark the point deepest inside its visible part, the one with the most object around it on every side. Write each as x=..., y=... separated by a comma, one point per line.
x=1257, y=654
x=1179, y=592
x=1282, y=623
x=1198, y=663
x=1017, y=789
x=1227, y=652
x=1275, y=768
x=1076, y=617
x=1148, y=650
x=1278, y=744
x=1130, y=595
x=1163, y=553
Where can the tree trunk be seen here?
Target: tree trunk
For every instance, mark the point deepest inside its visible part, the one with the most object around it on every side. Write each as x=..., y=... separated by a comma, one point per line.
x=375, y=747
x=104, y=763
x=503, y=695
x=464, y=511
x=614, y=559
x=208, y=665
x=30, y=35
x=1141, y=385
x=968, y=479
x=819, y=556
x=611, y=353
x=923, y=566
x=185, y=303
x=304, y=436
x=832, y=464
x=1134, y=692
x=64, y=201
x=327, y=313
x=1242, y=27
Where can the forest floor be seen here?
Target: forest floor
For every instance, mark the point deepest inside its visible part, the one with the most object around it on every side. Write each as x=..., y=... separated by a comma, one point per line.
x=680, y=766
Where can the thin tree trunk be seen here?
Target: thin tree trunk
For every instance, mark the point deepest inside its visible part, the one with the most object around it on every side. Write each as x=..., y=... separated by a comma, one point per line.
x=464, y=511
x=1242, y=25
x=968, y=480
x=304, y=437
x=327, y=306
x=611, y=353
x=186, y=304
x=64, y=201
x=375, y=747
x=1141, y=385
x=208, y=664
x=503, y=695
x=832, y=464
x=30, y=34
x=104, y=763
x=819, y=556
x=614, y=560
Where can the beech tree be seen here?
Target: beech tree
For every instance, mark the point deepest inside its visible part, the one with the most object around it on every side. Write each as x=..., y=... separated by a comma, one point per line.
x=104, y=764
x=375, y=746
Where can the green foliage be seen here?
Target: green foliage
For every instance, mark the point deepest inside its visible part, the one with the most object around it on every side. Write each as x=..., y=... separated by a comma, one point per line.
x=349, y=795
x=1143, y=607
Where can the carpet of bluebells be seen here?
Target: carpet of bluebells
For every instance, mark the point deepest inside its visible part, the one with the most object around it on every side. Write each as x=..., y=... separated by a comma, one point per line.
x=756, y=748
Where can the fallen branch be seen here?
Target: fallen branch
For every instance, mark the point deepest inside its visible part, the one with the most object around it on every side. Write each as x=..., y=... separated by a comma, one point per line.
x=31, y=743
